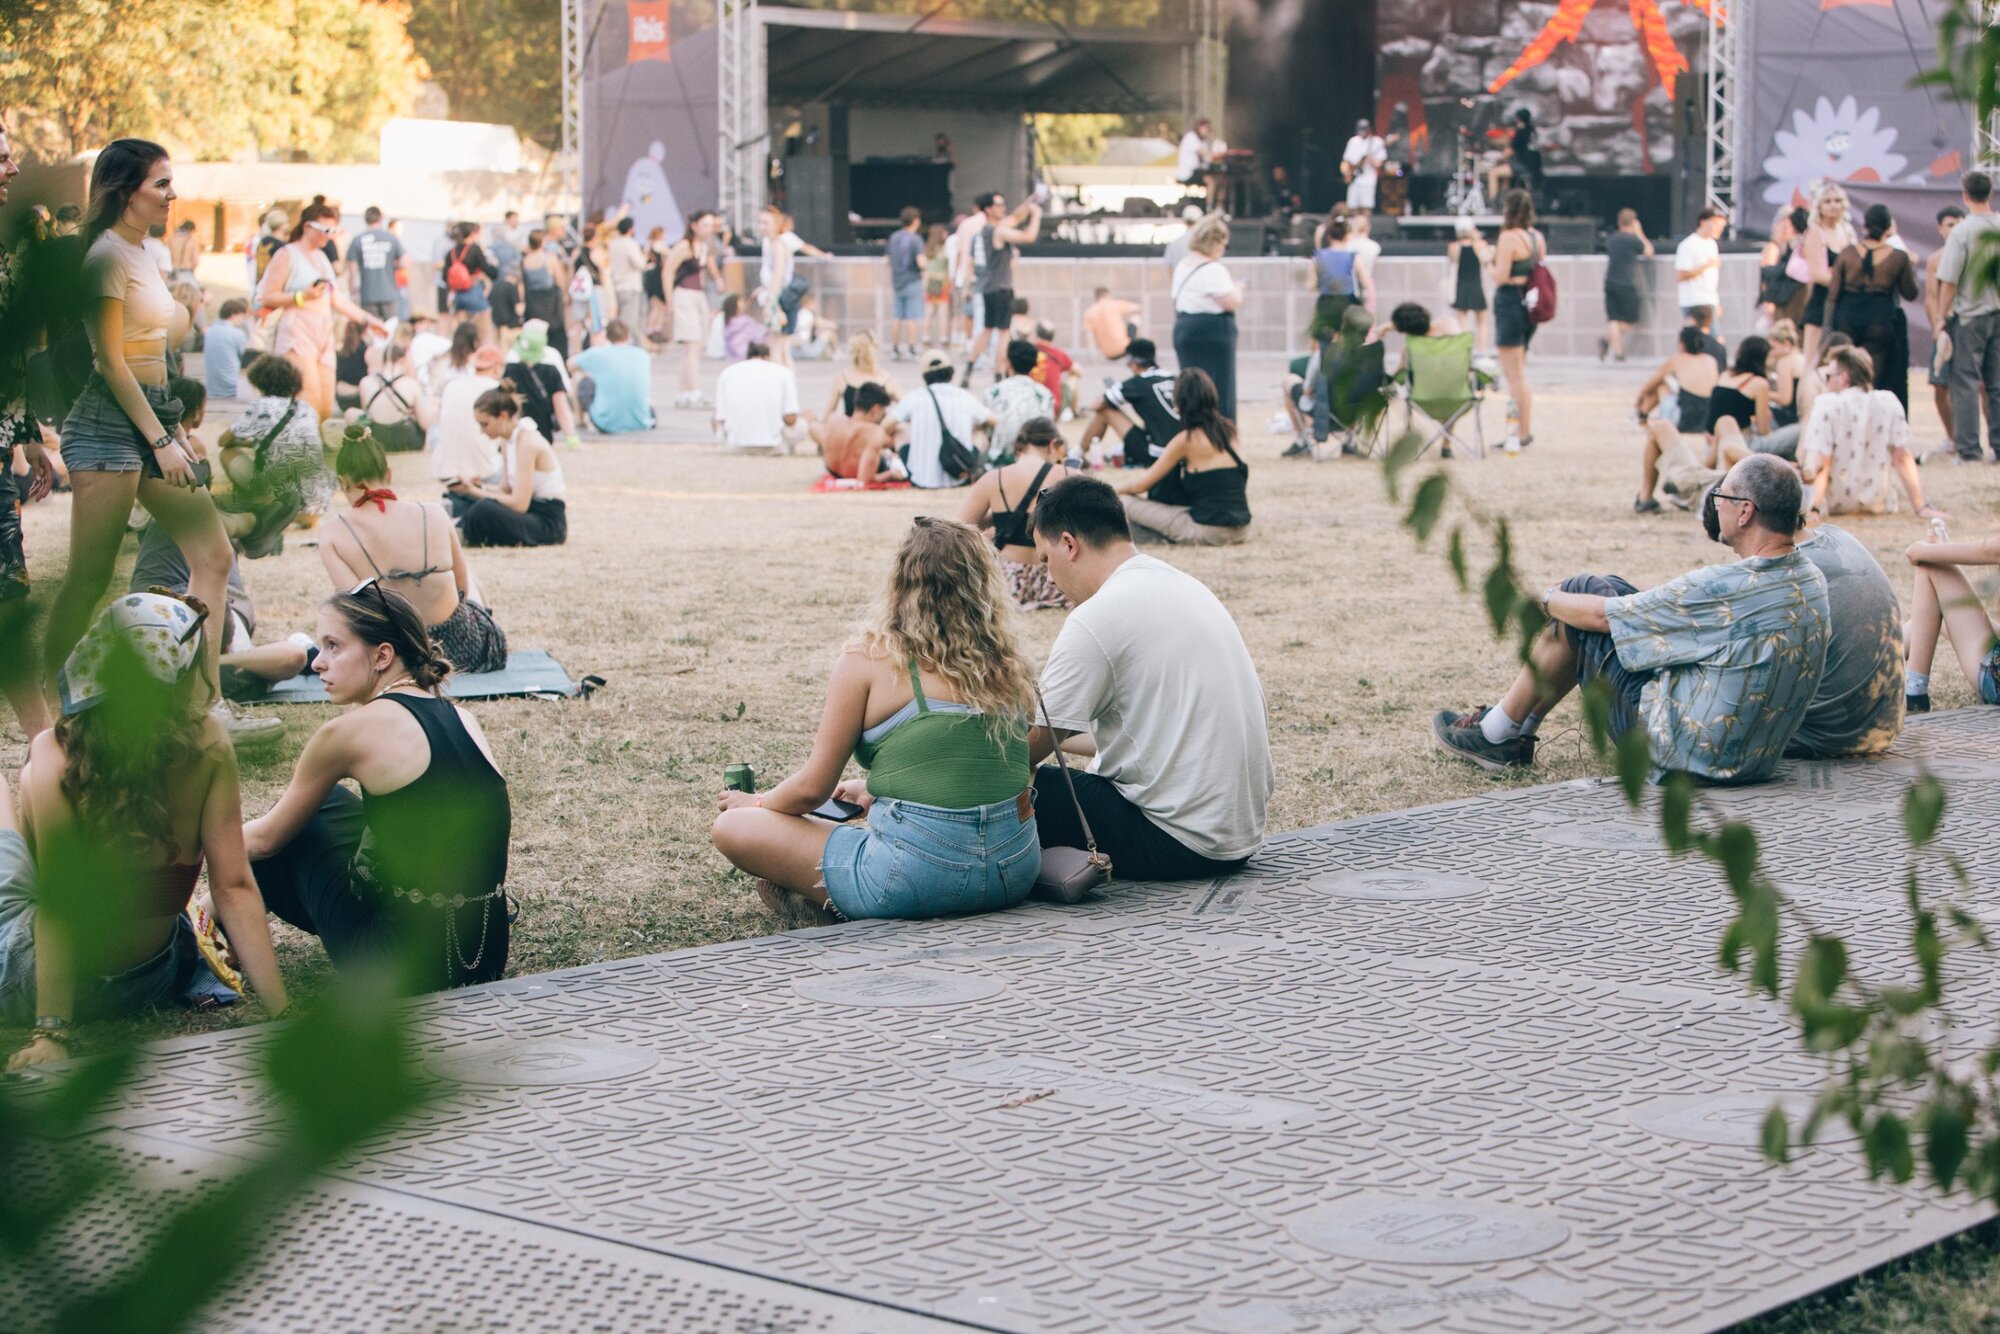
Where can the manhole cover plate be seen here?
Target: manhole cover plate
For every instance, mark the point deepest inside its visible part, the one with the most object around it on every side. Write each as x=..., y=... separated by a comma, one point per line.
x=538, y=1062
x=898, y=987
x=1427, y=1231
x=1735, y=1120
x=1602, y=836
x=1394, y=886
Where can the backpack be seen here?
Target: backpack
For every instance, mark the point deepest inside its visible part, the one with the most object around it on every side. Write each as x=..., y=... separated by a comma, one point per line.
x=456, y=276
x=1540, y=298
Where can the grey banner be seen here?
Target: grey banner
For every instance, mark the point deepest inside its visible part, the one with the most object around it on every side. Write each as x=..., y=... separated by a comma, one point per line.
x=1828, y=96
x=649, y=105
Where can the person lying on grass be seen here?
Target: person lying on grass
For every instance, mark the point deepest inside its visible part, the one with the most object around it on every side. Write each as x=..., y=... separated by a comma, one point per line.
x=932, y=698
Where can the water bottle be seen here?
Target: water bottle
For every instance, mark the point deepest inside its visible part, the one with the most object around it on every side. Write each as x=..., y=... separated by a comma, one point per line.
x=1937, y=531
x=1512, y=445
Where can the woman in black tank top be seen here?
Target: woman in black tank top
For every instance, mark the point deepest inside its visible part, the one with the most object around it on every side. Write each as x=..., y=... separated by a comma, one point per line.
x=1004, y=499
x=1196, y=492
x=414, y=870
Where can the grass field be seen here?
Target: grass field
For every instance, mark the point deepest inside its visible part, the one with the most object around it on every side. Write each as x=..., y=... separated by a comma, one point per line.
x=713, y=593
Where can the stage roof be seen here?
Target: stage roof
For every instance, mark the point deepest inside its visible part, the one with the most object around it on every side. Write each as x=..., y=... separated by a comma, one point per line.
x=881, y=59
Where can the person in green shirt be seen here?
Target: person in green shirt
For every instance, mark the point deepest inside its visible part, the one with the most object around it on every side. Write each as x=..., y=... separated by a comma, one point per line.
x=932, y=697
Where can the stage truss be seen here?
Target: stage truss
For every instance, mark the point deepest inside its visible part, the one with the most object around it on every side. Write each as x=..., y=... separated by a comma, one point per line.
x=1725, y=67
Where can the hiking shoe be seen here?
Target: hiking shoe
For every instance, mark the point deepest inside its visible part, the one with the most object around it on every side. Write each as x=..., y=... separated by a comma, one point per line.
x=246, y=730
x=1460, y=734
x=1645, y=505
x=1917, y=703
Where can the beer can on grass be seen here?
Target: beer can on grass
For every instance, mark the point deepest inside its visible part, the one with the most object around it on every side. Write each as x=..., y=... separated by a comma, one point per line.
x=740, y=777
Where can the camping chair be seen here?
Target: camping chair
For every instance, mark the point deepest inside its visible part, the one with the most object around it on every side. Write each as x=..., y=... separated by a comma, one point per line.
x=1349, y=397
x=1439, y=381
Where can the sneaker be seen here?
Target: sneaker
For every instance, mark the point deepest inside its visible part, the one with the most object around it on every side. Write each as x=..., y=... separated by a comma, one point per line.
x=246, y=730
x=1679, y=501
x=1604, y=349
x=1511, y=445
x=1297, y=450
x=1917, y=703
x=1645, y=505
x=1460, y=734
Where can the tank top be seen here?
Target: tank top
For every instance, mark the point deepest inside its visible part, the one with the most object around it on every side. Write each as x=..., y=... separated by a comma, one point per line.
x=1010, y=526
x=437, y=846
x=541, y=279
x=1728, y=402
x=1335, y=268
x=1219, y=497
x=1468, y=269
x=943, y=756
x=1695, y=411
x=688, y=272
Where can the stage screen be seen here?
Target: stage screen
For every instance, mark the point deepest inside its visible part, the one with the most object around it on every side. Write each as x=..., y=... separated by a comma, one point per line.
x=1829, y=96
x=649, y=106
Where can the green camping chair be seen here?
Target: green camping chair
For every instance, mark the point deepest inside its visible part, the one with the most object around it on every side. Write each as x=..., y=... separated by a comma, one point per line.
x=1439, y=381
x=1353, y=386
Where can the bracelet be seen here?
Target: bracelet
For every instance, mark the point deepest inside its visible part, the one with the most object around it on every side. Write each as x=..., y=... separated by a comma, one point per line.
x=164, y=441
x=53, y=1027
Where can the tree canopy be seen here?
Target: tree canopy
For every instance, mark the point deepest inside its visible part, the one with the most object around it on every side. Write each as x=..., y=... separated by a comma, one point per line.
x=208, y=78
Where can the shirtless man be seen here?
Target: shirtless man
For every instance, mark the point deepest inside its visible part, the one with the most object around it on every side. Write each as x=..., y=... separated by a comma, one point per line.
x=858, y=446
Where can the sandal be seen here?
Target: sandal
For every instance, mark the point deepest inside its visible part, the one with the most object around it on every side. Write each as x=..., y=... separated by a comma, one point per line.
x=1930, y=511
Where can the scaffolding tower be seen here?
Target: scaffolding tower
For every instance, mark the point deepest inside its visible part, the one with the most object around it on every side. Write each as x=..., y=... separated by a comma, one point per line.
x=572, y=97
x=1725, y=69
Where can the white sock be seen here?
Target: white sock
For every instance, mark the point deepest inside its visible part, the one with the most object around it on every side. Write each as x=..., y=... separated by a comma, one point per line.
x=1498, y=727
x=1916, y=683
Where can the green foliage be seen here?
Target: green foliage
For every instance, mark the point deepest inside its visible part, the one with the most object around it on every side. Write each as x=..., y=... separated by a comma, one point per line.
x=1777, y=1136
x=208, y=78
x=497, y=60
x=1427, y=507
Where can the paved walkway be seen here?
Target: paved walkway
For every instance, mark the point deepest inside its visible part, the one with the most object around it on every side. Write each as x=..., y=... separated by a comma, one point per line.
x=1469, y=1067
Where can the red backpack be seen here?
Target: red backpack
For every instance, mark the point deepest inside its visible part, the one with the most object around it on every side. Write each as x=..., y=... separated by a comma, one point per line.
x=1540, y=298
x=457, y=277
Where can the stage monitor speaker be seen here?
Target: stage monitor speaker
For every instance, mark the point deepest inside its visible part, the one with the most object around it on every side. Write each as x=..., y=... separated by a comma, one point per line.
x=823, y=129
x=1382, y=227
x=1570, y=236
x=1246, y=239
x=816, y=196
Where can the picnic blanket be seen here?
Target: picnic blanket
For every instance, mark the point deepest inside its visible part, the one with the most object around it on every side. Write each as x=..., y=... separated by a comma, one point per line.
x=529, y=671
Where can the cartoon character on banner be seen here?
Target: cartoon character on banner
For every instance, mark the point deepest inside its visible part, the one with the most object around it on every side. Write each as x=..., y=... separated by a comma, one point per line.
x=649, y=199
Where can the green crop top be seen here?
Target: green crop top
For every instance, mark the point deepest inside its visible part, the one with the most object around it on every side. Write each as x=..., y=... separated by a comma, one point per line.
x=943, y=756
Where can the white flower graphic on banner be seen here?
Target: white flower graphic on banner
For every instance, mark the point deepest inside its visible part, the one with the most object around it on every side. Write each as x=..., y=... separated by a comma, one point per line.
x=1841, y=143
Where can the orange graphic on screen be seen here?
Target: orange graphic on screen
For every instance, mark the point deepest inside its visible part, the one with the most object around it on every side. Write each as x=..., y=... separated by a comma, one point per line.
x=1647, y=21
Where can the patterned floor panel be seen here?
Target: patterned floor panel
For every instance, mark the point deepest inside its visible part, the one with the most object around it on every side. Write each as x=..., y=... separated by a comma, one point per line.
x=1469, y=1067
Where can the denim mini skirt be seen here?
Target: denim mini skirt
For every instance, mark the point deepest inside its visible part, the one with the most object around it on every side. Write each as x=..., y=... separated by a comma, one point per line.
x=927, y=861
x=97, y=436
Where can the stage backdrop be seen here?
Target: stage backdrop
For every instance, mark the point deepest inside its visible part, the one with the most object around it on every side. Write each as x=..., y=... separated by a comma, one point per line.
x=649, y=106
x=1830, y=98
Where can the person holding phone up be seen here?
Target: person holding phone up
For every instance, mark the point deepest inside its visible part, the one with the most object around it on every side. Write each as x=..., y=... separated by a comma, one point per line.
x=299, y=285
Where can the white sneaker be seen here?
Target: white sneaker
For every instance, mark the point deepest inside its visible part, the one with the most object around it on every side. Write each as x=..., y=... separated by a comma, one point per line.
x=246, y=730
x=1512, y=445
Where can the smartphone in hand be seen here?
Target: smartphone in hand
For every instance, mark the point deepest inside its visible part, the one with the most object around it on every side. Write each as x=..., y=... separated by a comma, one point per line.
x=838, y=811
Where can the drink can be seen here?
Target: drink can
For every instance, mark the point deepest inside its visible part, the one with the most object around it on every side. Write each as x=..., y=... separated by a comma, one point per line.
x=740, y=777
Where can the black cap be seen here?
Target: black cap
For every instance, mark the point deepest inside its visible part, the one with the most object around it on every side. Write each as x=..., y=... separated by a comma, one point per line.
x=1142, y=351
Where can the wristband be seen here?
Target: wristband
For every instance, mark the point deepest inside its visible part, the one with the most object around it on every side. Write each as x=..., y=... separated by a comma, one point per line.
x=1548, y=593
x=53, y=1027
x=298, y=298
x=164, y=441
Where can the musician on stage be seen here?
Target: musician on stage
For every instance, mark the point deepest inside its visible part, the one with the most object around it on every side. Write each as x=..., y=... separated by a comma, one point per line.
x=1361, y=164
x=1195, y=166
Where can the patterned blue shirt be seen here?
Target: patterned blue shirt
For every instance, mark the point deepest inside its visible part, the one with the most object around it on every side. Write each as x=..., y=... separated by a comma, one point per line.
x=1736, y=652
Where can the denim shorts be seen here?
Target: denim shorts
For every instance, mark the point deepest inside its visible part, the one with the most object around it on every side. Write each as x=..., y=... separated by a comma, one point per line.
x=472, y=301
x=926, y=861
x=159, y=980
x=97, y=436
x=909, y=302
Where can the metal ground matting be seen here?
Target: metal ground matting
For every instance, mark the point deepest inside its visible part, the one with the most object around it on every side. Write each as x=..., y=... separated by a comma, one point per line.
x=1471, y=1067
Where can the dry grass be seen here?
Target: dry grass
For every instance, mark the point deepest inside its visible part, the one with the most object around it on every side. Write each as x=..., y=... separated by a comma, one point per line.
x=712, y=592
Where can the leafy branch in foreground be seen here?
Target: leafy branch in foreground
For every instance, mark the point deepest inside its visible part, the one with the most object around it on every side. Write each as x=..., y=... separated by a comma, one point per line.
x=1892, y=1074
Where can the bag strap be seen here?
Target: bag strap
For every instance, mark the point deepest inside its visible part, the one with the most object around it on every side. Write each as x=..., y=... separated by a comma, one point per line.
x=1182, y=285
x=270, y=436
x=1090, y=839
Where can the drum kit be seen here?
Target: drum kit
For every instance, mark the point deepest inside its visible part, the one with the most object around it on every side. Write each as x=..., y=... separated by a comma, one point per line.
x=1479, y=166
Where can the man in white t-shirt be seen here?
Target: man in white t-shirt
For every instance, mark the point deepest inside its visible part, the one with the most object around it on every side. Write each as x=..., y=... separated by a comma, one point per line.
x=757, y=404
x=1698, y=263
x=1151, y=664
x=1361, y=163
x=1193, y=163
x=920, y=419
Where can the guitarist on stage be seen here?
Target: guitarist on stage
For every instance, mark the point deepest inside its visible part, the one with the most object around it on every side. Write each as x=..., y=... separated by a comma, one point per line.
x=1361, y=164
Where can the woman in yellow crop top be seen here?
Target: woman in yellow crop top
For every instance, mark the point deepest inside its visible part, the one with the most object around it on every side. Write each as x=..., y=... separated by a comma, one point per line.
x=123, y=439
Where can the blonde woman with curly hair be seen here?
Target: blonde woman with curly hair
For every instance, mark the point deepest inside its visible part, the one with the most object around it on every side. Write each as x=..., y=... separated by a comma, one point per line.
x=932, y=697
x=864, y=366
x=1829, y=230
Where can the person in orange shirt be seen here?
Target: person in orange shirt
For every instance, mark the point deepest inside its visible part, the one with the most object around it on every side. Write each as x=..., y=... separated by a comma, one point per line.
x=1108, y=321
x=1056, y=370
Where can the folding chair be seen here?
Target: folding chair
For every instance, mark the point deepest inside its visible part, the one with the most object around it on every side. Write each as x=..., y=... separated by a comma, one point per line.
x=1350, y=398
x=1438, y=380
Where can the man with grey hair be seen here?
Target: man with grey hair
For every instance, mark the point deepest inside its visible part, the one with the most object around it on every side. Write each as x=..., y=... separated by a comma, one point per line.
x=1718, y=666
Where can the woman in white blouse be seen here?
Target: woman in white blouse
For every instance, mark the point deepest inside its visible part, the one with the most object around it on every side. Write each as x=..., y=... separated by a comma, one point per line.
x=1205, y=303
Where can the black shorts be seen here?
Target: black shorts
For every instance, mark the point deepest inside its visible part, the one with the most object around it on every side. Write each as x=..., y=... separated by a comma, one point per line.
x=1816, y=306
x=1511, y=325
x=1138, y=448
x=1597, y=655
x=1621, y=302
x=998, y=308
x=1138, y=848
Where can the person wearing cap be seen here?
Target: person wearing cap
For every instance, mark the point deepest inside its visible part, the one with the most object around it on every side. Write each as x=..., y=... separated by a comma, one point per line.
x=1138, y=410
x=140, y=821
x=920, y=420
x=1361, y=164
x=538, y=376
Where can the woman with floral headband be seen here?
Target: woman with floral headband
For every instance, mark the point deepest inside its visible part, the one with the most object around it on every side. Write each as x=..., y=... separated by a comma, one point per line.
x=135, y=787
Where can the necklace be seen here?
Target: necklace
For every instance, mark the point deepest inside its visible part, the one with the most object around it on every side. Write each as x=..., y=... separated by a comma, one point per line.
x=404, y=680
